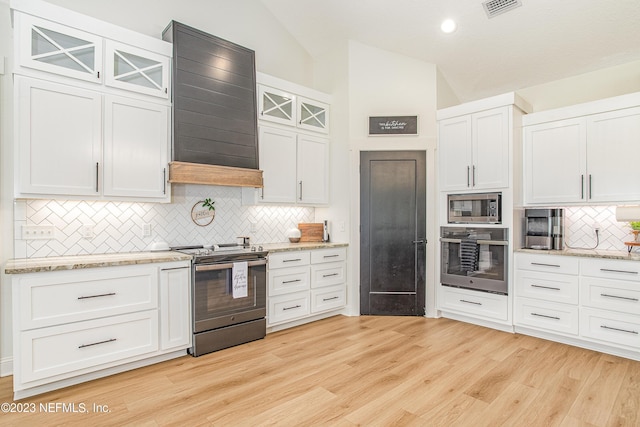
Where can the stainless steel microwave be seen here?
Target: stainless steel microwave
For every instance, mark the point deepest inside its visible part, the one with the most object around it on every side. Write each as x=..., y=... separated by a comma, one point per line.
x=476, y=208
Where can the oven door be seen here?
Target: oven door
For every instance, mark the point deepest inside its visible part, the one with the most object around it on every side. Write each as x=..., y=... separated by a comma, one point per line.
x=474, y=259
x=213, y=303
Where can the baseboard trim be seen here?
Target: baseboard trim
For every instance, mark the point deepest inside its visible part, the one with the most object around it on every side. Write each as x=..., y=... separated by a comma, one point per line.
x=6, y=366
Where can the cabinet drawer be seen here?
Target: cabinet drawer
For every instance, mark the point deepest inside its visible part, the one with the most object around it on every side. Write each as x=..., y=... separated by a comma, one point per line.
x=547, y=286
x=288, y=307
x=617, y=295
x=54, y=298
x=327, y=274
x=63, y=350
x=554, y=317
x=547, y=263
x=328, y=298
x=480, y=304
x=286, y=280
x=611, y=269
x=616, y=328
x=289, y=259
x=328, y=255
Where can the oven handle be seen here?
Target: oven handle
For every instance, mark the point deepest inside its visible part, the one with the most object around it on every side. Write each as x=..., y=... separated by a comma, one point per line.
x=213, y=267
x=480, y=242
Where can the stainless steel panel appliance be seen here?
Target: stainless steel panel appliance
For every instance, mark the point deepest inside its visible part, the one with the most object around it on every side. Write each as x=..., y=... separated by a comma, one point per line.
x=476, y=208
x=220, y=318
x=544, y=229
x=474, y=258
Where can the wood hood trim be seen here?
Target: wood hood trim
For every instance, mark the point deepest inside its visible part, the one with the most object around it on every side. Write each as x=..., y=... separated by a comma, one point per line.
x=196, y=173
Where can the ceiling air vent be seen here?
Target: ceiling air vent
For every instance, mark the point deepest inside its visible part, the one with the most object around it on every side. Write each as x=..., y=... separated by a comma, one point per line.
x=496, y=7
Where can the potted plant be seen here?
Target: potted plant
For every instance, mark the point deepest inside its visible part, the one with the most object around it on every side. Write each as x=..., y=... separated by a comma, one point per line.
x=635, y=227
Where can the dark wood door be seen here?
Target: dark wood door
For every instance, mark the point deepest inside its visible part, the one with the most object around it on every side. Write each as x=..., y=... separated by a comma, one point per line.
x=393, y=232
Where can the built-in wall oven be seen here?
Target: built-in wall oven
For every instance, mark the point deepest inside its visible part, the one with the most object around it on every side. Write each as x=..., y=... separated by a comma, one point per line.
x=474, y=258
x=229, y=296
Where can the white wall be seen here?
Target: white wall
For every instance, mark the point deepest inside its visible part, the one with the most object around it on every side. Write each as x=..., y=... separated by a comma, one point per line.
x=385, y=83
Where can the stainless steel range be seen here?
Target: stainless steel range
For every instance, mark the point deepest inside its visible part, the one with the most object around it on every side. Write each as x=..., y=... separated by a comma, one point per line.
x=228, y=295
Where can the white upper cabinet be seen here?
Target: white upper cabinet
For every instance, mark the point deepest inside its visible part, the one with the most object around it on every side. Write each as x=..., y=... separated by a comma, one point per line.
x=58, y=137
x=313, y=115
x=474, y=151
x=555, y=162
x=140, y=169
x=137, y=70
x=93, y=107
x=276, y=106
x=278, y=163
x=313, y=167
x=72, y=53
x=588, y=158
x=56, y=48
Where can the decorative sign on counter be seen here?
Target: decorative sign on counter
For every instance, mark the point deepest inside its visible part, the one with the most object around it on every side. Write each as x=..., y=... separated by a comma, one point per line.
x=393, y=125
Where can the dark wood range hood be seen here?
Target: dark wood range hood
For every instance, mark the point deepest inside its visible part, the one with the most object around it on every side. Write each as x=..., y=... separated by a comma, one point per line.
x=215, y=131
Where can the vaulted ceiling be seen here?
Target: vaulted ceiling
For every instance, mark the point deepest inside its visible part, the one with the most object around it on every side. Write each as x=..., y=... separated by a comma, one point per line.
x=537, y=42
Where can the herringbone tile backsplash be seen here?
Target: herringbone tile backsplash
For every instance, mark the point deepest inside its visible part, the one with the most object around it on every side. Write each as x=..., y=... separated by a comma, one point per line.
x=579, y=228
x=83, y=227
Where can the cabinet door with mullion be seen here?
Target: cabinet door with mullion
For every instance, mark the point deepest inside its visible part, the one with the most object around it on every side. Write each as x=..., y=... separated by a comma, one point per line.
x=59, y=138
x=56, y=48
x=276, y=106
x=137, y=70
x=313, y=115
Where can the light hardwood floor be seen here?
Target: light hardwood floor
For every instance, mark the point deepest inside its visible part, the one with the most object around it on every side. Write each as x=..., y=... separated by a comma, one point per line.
x=372, y=371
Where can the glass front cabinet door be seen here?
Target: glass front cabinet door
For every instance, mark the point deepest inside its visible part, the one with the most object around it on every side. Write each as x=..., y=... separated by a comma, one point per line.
x=313, y=115
x=276, y=106
x=55, y=48
x=135, y=69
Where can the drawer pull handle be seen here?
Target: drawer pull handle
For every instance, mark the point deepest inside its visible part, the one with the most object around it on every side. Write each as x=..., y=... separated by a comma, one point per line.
x=110, y=294
x=607, y=270
x=545, y=265
x=619, y=297
x=546, y=287
x=291, y=308
x=618, y=329
x=292, y=260
x=331, y=256
x=292, y=281
x=96, y=343
x=545, y=316
x=471, y=302
x=329, y=275
x=329, y=299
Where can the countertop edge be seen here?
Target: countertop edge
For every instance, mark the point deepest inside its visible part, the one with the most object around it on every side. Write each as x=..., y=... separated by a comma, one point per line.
x=79, y=262
x=584, y=253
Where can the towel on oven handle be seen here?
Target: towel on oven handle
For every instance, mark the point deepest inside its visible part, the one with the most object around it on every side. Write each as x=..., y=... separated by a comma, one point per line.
x=469, y=255
x=239, y=283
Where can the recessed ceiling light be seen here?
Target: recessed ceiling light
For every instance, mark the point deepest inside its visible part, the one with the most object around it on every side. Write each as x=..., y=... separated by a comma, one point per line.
x=448, y=26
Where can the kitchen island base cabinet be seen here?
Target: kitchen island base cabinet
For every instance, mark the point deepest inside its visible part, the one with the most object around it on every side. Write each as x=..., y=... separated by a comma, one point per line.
x=76, y=325
x=304, y=286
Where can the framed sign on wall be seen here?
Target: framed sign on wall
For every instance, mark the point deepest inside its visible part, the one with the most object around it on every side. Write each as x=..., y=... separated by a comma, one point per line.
x=393, y=125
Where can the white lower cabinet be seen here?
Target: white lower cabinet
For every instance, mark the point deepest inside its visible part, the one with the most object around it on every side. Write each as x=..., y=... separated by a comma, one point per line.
x=465, y=302
x=590, y=302
x=305, y=283
x=75, y=325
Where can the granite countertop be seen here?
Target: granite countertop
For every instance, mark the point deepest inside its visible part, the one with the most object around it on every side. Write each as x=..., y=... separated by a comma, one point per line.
x=587, y=253
x=304, y=246
x=75, y=262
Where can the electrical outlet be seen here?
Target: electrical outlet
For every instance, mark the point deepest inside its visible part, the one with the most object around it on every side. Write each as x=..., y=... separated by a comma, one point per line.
x=38, y=232
x=341, y=226
x=87, y=232
x=146, y=230
x=252, y=227
x=596, y=226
